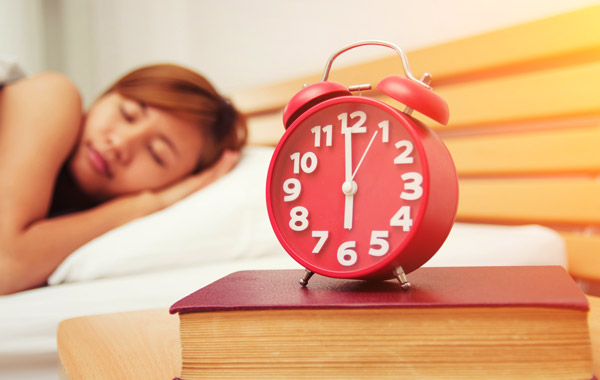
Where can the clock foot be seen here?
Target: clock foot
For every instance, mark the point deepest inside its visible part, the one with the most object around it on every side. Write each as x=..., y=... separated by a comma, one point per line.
x=307, y=275
x=401, y=277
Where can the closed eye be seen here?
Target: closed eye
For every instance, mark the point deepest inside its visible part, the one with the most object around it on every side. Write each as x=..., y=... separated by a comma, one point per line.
x=128, y=117
x=131, y=110
x=155, y=156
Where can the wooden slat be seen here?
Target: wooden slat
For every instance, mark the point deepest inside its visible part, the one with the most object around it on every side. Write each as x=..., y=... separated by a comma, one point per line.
x=573, y=90
x=555, y=201
x=570, y=148
x=556, y=93
x=584, y=255
x=265, y=129
x=561, y=151
x=526, y=47
x=559, y=92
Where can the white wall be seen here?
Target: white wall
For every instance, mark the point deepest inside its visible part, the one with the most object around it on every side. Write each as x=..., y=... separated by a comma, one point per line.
x=21, y=33
x=267, y=40
x=244, y=43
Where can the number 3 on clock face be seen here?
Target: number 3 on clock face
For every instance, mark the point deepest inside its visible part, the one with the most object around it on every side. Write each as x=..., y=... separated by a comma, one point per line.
x=348, y=188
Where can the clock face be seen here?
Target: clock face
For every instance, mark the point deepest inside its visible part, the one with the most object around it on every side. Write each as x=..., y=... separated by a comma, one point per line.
x=348, y=187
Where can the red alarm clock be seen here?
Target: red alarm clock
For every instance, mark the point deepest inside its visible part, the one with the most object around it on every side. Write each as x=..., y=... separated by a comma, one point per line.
x=357, y=188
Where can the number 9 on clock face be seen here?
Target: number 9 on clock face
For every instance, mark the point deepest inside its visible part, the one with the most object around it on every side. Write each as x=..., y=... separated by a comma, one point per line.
x=356, y=188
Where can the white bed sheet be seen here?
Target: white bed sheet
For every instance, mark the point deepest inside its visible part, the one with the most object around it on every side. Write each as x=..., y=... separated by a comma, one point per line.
x=28, y=320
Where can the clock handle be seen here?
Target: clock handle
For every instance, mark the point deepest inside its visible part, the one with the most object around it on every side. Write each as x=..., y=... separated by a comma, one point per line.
x=390, y=45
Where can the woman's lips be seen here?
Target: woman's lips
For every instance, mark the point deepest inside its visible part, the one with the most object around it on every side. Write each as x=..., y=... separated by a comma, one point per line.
x=98, y=162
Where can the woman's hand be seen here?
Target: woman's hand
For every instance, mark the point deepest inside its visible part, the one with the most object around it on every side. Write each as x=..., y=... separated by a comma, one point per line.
x=195, y=182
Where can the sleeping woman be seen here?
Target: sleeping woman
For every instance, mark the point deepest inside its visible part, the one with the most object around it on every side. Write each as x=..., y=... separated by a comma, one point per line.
x=157, y=135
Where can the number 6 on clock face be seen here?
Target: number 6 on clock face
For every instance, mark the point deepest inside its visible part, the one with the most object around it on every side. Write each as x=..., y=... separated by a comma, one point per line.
x=351, y=193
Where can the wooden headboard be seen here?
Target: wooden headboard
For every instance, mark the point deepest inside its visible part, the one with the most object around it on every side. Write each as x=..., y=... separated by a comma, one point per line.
x=524, y=126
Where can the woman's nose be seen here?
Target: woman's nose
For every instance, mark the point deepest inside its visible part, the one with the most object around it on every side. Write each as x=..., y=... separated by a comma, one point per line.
x=124, y=141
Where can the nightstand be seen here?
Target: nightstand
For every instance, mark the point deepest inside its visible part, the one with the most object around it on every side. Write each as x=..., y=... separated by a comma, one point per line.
x=145, y=345
x=133, y=345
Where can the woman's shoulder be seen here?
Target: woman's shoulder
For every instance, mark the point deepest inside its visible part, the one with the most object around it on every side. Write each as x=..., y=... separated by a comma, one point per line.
x=41, y=117
x=51, y=88
x=57, y=81
x=49, y=103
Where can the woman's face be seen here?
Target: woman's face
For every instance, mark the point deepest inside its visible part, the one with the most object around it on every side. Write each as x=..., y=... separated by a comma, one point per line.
x=127, y=147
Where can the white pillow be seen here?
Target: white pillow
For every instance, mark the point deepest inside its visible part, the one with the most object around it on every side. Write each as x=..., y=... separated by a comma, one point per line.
x=495, y=245
x=225, y=221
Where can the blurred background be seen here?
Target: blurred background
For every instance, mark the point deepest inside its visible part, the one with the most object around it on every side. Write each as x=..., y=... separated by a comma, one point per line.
x=237, y=44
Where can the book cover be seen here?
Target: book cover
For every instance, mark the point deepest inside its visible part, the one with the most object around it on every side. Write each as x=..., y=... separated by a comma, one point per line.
x=541, y=286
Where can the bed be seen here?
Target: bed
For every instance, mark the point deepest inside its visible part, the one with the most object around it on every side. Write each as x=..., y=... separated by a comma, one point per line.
x=153, y=262
x=524, y=200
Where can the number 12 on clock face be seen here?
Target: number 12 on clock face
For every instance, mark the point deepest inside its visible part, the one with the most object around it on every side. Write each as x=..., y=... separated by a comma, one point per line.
x=346, y=187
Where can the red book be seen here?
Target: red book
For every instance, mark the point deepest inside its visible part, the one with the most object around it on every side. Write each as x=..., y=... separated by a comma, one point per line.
x=457, y=322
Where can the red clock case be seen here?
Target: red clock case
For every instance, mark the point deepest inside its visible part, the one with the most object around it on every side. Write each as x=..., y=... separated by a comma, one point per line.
x=431, y=215
x=309, y=97
x=440, y=184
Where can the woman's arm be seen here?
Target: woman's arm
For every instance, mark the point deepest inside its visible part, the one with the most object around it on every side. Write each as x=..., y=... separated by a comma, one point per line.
x=40, y=121
x=39, y=124
x=36, y=252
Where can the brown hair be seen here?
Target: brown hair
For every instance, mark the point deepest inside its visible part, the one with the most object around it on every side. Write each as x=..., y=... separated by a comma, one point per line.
x=190, y=96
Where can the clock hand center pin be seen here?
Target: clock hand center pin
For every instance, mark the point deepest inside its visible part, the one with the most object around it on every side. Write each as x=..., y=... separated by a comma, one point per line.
x=349, y=187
